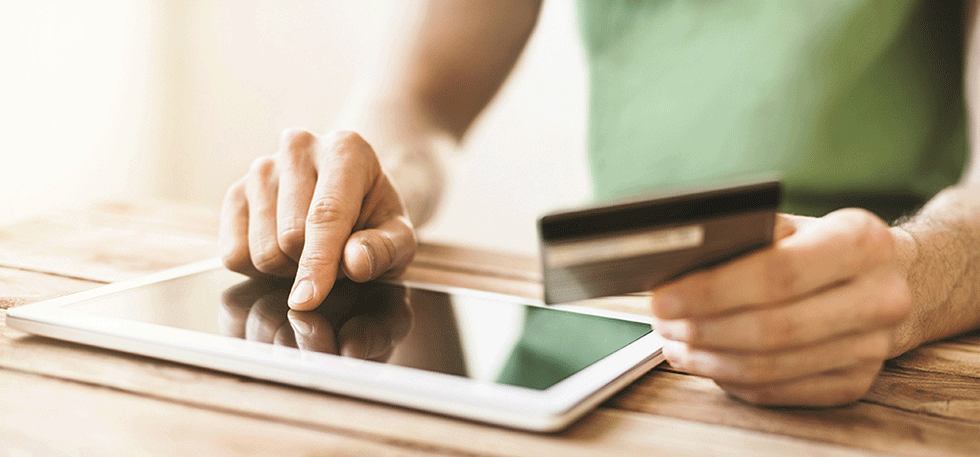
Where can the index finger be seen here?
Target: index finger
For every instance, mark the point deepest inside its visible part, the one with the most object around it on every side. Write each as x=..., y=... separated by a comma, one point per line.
x=827, y=251
x=346, y=172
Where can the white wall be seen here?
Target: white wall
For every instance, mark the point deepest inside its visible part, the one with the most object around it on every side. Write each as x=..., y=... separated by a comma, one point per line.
x=77, y=115
x=526, y=155
x=174, y=98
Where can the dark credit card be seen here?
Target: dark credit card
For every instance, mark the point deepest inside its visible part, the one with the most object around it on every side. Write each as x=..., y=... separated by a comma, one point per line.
x=635, y=246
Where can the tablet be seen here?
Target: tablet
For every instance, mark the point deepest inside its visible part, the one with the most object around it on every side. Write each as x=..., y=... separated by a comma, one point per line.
x=482, y=356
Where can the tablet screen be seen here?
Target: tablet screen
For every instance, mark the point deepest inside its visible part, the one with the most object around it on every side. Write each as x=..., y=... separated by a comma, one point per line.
x=474, y=336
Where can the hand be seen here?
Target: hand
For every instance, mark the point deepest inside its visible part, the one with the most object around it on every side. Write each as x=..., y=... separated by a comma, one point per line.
x=318, y=208
x=364, y=321
x=805, y=322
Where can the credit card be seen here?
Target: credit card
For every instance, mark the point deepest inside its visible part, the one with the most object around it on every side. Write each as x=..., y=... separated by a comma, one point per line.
x=635, y=246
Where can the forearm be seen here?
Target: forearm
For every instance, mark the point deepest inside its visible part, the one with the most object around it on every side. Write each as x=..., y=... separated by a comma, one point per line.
x=417, y=105
x=461, y=55
x=939, y=249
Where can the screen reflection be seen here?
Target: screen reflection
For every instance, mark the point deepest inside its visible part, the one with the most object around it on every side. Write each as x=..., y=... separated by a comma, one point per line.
x=365, y=321
x=476, y=336
x=490, y=340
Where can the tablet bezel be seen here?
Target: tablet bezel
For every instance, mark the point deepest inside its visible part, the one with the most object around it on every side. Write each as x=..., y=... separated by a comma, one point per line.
x=539, y=410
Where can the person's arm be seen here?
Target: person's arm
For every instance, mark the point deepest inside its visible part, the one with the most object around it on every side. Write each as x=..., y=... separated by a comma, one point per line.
x=346, y=201
x=810, y=320
x=940, y=246
x=437, y=83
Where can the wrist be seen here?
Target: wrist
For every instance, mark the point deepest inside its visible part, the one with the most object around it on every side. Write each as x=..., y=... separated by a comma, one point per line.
x=908, y=334
x=409, y=146
x=417, y=173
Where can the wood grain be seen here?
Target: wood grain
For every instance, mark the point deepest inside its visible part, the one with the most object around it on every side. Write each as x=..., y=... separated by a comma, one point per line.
x=959, y=356
x=925, y=403
x=51, y=417
x=879, y=427
x=19, y=287
x=111, y=242
x=941, y=395
x=606, y=431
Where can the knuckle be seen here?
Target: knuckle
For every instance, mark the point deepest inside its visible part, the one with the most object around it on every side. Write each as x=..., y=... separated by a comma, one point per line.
x=235, y=192
x=351, y=145
x=348, y=139
x=327, y=210
x=296, y=139
x=296, y=153
x=268, y=259
x=291, y=240
x=262, y=168
x=871, y=235
x=291, y=157
x=315, y=260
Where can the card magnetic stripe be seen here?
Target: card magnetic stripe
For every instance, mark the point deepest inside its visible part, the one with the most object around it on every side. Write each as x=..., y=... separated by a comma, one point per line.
x=640, y=215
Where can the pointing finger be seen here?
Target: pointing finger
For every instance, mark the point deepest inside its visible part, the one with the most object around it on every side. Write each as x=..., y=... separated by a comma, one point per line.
x=346, y=172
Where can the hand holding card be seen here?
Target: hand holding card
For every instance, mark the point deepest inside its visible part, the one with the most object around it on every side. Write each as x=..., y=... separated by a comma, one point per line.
x=635, y=246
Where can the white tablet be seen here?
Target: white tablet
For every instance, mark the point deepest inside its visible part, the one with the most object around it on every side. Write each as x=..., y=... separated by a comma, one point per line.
x=487, y=357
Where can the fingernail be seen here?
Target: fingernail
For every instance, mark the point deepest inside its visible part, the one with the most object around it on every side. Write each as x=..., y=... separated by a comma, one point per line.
x=302, y=293
x=301, y=327
x=667, y=306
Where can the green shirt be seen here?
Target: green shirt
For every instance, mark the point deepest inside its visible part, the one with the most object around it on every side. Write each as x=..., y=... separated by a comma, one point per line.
x=852, y=102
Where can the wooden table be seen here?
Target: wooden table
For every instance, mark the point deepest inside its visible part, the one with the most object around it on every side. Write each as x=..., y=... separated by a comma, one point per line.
x=59, y=398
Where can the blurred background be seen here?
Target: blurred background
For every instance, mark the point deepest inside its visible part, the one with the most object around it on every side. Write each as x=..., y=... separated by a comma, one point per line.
x=173, y=99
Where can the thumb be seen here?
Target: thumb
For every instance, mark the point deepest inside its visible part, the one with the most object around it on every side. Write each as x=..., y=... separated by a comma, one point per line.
x=373, y=252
